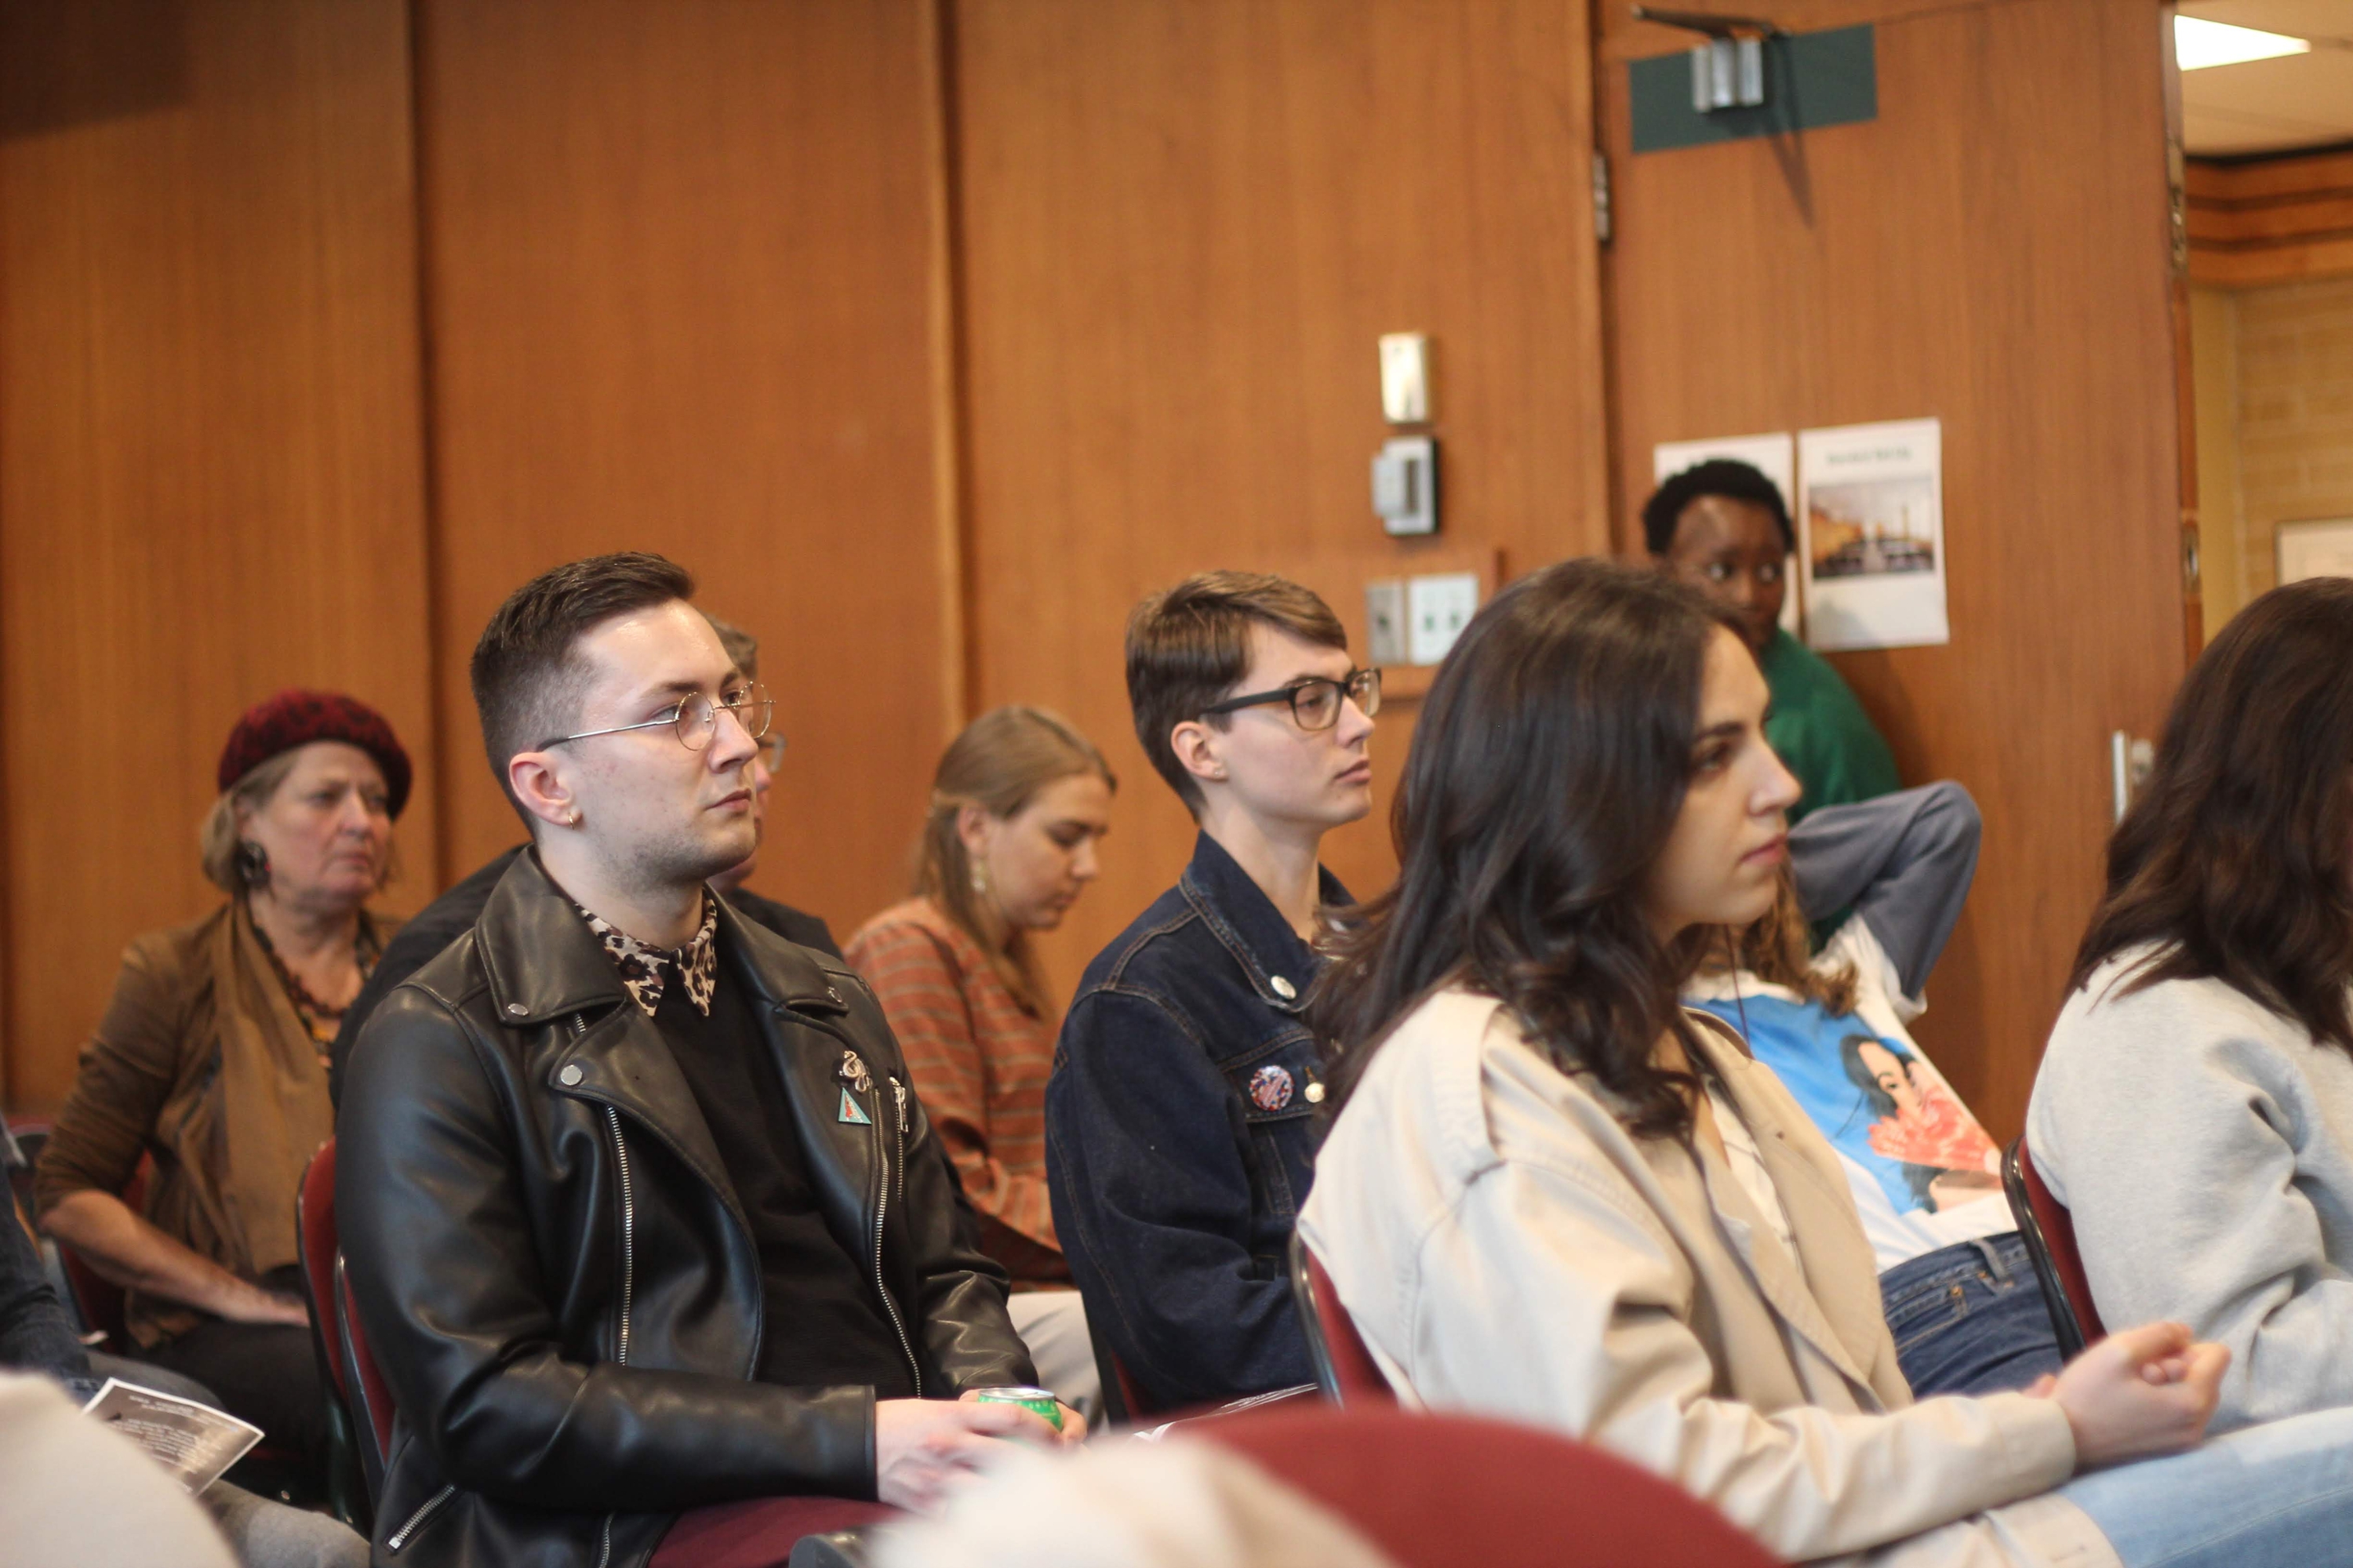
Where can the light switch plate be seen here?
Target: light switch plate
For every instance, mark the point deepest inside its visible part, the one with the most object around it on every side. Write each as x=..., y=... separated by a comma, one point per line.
x=1384, y=624
x=1438, y=607
x=1405, y=378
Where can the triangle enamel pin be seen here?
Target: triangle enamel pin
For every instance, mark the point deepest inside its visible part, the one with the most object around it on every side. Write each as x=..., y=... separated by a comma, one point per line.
x=851, y=1114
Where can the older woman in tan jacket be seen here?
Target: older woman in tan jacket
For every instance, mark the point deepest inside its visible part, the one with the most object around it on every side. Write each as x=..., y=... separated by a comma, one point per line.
x=211, y=1061
x=1553, y=1196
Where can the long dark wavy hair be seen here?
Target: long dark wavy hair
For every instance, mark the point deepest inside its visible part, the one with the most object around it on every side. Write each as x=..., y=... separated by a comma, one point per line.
x=2234, y=859
x=1548, y=767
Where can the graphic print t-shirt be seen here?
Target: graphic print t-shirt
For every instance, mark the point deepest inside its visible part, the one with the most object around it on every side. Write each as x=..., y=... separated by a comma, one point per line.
x=1924, y=1174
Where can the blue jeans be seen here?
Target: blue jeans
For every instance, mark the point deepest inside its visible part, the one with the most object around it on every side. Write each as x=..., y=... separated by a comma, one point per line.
x=2279, y=1493
x=1970, y=1319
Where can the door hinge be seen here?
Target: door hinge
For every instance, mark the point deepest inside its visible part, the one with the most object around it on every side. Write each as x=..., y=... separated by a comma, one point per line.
x=1600, y=197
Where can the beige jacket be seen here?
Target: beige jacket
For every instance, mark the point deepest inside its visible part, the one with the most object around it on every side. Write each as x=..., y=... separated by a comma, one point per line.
x=1507, y=1247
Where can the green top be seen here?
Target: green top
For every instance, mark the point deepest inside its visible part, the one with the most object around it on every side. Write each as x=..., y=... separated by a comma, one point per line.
x=1820, y=731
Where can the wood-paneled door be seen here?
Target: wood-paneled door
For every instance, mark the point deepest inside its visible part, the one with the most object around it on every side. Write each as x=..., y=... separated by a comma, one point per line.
x=1183, y=226
x=1991, y=250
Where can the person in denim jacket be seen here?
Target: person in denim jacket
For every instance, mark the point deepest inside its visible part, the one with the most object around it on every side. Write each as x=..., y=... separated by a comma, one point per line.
x=1181, y=1116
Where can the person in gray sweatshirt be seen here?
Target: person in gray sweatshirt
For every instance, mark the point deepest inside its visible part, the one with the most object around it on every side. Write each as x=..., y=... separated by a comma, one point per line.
x=2194, y=1109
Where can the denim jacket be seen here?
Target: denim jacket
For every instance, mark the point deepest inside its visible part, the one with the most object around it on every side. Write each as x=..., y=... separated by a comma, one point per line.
x=1181, y=1129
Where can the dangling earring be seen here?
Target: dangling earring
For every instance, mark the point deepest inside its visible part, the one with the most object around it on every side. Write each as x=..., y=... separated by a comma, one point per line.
x=252, y=864
x=980, y=879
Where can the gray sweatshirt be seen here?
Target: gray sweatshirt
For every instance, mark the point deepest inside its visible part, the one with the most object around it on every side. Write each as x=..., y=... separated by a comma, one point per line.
x=2204, y=1145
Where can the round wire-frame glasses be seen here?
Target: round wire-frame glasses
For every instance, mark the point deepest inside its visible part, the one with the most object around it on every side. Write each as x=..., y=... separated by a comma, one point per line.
x=696, y=717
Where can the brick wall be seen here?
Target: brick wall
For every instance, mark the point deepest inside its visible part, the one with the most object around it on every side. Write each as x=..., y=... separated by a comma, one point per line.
x=2294, y=373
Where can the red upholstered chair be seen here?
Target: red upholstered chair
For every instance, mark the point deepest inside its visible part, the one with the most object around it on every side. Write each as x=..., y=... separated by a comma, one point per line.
x=1453, y=1491
x=2048, y=1231
x=368, y=1395
x=348, y=1491
x=1345, y=1368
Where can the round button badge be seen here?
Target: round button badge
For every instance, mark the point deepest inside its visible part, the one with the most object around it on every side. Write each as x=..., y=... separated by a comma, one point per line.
x=1270, y=1087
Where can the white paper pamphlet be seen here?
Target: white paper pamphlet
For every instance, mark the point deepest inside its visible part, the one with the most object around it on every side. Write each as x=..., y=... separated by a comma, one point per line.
x=192, y=1441
x=1871, y=546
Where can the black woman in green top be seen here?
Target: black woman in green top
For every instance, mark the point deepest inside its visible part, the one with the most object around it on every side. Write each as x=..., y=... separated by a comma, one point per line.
x=1723, y=526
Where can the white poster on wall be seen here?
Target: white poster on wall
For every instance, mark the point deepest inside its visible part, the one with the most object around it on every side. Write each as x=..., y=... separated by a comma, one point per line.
x=1870, y=535
x=2319, y=547
x=1775, y=456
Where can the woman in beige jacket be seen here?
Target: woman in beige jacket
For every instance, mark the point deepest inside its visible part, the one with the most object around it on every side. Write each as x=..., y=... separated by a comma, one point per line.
x=1553, y=1196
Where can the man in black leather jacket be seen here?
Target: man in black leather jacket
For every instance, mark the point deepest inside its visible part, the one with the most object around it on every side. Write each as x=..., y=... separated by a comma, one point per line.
x=641, y=1212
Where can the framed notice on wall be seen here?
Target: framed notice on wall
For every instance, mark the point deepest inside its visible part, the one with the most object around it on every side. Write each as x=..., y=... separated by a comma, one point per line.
x=2319, y=547
x=1870, y=535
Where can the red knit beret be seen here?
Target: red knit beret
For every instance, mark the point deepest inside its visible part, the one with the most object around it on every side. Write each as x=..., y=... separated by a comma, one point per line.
x=293, y=718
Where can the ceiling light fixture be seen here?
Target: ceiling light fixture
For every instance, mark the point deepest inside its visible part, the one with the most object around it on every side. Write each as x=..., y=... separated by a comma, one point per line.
x=2198, y=44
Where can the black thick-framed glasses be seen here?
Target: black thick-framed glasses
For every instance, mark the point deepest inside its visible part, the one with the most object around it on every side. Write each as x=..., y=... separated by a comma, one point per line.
x=696, y=719
x=1315, y=700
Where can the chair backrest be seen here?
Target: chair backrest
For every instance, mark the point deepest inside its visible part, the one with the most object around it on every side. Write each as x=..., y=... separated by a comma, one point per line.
x=348, y=1493
x=370, y=1396
x=1345, y=1368
x=2048, y=1231
x=314, y=1232
x=1454, y=1492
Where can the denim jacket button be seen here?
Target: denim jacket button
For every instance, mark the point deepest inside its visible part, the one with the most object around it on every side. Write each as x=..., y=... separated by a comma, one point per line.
x=1314, y=1094
x=1283, y=987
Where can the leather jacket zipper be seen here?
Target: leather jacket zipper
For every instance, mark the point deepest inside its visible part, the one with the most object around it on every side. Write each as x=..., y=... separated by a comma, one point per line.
x=629, y=1235
x=881, y=1210
x=427, y=1509
x=628, y=1270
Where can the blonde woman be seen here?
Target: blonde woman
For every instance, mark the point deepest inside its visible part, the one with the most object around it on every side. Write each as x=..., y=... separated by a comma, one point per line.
x=1017, y=805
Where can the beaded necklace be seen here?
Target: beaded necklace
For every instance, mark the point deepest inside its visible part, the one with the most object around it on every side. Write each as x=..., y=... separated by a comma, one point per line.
x=321, y=1021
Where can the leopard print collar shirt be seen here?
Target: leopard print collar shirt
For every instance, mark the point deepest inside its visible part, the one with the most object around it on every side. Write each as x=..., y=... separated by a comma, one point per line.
x=645, y=968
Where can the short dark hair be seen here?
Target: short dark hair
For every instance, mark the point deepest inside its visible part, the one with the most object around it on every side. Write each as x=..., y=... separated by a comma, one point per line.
x=1727, y=477
x=2231, y=859
x=1188, y=645
x=526, y=675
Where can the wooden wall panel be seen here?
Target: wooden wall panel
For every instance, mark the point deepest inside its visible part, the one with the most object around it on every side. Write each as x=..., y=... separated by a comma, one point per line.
x=1991, y=250
x=2273, y=220
x=1183, y=227
x=210, y=458
x=677, y=296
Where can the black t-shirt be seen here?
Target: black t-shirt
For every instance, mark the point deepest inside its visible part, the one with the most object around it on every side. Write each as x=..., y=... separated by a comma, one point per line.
x=826, y=1323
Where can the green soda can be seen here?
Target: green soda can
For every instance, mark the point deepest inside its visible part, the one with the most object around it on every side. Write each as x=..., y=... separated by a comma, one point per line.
x=1041, y=1400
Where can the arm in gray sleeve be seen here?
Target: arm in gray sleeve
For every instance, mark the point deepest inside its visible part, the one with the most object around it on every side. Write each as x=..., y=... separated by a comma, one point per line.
x=1903, y=861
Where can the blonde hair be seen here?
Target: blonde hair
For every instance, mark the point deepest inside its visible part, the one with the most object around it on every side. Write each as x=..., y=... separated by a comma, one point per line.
x=1000, y=763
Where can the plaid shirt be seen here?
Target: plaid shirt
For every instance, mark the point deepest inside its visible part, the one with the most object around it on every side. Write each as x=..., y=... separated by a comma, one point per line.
x=980, y=1064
